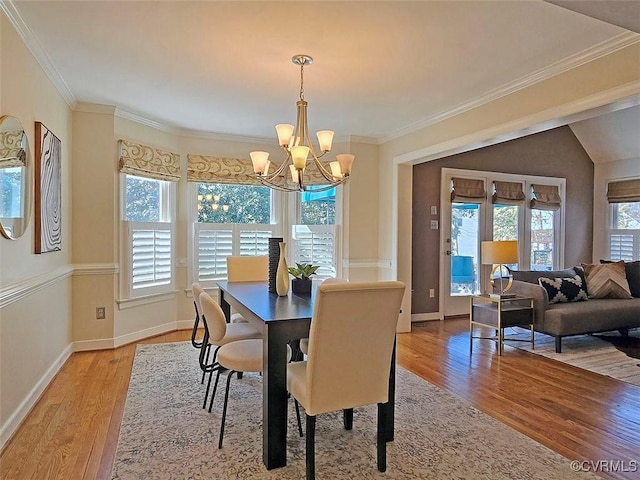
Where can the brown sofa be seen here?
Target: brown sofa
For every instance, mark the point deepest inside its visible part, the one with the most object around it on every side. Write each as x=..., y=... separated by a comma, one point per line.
x=575, y=318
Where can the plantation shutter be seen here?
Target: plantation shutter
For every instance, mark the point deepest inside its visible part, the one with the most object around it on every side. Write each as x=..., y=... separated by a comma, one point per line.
x=508, y=193
x=316, y=244
x=467, y=190
x=624, y=191
x=546, y=197
x=150, y=254
x=149, y=162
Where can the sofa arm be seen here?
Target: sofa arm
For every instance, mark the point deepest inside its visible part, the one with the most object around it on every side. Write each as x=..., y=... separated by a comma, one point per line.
x=539, y=295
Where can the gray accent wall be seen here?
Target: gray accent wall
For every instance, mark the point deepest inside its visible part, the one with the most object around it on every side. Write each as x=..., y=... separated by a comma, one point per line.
x=554, y=153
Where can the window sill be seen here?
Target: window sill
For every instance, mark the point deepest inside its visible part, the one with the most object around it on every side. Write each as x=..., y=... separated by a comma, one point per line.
x=125, y=303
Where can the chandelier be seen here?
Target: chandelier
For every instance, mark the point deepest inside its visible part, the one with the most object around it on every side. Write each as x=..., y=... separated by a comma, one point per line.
x=297, y=146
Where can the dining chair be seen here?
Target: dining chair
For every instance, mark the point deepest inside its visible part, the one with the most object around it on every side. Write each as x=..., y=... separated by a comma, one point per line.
x=351, y=342
x=239, y=356
x=196, y=289
x=244, y=268
x=304, y=342
x=217, y=332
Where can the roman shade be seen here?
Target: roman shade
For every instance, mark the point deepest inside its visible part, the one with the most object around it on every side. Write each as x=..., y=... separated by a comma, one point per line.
x=545, y=197
x=239, y=171
x=149, y=162
x=624, y=191
x=508, y=193
x=467, y=190
x=11, y=152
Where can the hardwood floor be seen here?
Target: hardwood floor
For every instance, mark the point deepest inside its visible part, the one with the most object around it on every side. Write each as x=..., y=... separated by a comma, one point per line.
x=72, y=432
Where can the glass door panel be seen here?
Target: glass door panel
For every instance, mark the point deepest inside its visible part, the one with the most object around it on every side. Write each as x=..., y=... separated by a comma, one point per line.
x=542, y=239
x=506, y=224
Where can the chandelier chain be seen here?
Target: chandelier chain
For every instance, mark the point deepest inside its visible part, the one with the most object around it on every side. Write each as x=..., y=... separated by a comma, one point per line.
x=302, y=81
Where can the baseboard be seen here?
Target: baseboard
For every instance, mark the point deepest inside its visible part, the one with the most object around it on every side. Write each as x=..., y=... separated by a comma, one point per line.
x=421, y=317
x=13, y=422
x=148, y=332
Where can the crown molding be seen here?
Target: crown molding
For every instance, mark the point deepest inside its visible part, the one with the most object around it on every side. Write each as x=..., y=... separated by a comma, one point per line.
x=34, y=46
x=94, y=108
x=612, y=45
x=149, y=122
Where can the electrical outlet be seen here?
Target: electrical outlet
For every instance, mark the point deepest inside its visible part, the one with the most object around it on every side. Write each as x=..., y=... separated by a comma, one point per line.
x=434, y=224
x=432, y=293
x=101, y=313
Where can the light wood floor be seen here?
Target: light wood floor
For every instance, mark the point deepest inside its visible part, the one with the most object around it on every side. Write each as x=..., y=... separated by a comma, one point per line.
x=72, y=432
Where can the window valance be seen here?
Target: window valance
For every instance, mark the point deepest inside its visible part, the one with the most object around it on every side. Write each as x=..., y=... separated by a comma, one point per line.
x=149, y=162
x=467, y=190
x=239, y=171
x=624, y=191
x=545, y=197
x=12, y=153
x=508, y=193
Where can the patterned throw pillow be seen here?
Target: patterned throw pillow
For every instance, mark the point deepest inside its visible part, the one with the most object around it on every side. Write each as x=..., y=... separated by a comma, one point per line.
x=564, y=290
x=607, y=281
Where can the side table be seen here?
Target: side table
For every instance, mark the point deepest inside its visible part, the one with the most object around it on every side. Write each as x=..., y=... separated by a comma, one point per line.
x=499, y=313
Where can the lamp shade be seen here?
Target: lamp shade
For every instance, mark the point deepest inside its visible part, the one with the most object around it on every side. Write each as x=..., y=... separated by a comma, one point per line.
x=499, y=252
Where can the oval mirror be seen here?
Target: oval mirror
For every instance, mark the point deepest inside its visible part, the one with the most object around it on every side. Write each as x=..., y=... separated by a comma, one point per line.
x=15, y=178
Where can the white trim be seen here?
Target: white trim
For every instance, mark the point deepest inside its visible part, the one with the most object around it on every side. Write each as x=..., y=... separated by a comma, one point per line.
x=17, y=291
x=81, y=269
x=13, y=422
x=607, y=47
x=98, y=108
x=367, y=263
x=422, y=317
x=34, y=46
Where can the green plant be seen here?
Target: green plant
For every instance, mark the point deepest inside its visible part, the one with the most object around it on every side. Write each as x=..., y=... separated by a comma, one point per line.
x=303, y=270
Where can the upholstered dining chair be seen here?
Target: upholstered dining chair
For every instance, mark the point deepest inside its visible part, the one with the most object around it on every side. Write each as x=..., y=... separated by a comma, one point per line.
x=240, y=356
x=243, y=268
x=196, y=289
x=304, y=342
x=351, y=342
x=217, y=332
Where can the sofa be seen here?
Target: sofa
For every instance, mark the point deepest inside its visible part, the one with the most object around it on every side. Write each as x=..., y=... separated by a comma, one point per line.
x=589, y=315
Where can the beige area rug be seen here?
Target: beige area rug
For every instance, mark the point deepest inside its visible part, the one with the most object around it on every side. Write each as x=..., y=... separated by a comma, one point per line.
x=165, y=434
x=604, y=353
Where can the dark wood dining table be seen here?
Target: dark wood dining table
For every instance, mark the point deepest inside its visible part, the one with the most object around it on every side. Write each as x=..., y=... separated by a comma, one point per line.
x=281, y=319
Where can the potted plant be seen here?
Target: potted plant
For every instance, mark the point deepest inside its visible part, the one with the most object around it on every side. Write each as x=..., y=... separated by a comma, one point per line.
x=302, y=277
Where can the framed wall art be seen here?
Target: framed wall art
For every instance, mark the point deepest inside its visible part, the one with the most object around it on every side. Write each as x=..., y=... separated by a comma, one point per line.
x=48, y=190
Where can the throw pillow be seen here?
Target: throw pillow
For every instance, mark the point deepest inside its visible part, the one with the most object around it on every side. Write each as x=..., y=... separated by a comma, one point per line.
x=564, y=290
x=532, y=276
x=632, y=270
x=607, y=281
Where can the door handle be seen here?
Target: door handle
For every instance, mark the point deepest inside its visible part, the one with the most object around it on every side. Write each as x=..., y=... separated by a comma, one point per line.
x=447, y=252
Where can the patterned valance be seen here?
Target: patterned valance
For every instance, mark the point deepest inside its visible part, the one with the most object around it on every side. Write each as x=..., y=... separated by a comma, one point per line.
x=12, y=153
x=149, y=162
x=508, y=193
x=624, y=191
x=545, y=197
x=467, y=190
x=239, y=171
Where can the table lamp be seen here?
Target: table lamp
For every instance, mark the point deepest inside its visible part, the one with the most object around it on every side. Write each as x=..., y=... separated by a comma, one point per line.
x=499, y=254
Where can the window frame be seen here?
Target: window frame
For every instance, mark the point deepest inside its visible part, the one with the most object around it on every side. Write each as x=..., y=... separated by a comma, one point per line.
x=167, y=214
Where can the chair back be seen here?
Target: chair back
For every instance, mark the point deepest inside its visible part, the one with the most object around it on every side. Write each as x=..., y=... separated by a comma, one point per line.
x=462, y=269
x=351, y=342
x=248, y=269
x=197, y=290
x=216, y=323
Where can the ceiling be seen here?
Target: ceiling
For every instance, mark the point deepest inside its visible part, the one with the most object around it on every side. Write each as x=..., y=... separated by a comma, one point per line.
x=381, y=69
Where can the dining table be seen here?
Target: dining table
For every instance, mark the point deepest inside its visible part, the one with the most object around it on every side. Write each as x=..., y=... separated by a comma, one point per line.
x=281, y=319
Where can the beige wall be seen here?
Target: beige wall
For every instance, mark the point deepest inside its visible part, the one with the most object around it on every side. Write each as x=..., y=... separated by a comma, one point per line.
x=35, y=290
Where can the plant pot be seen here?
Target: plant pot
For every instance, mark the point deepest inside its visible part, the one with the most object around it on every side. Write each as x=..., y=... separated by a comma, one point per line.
x=301, y=286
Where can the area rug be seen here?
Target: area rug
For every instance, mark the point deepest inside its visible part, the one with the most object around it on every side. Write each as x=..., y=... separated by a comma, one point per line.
x=604, y=353
x=165, y=434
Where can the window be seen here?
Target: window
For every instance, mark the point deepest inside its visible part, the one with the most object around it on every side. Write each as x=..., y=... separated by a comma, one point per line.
x=624, y=232
x=315, y=232
x=148, y=235
x=231, y=220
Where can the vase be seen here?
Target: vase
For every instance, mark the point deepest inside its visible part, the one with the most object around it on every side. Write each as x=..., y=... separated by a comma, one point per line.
x=301, y=286
x=282, y=274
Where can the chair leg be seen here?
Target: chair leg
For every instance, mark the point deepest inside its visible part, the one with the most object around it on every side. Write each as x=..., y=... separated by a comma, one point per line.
x=347, y=418
x=381, y=443
x=215, y=387
x=206, y=361
x=206, y=393
x=224, y=408
x=295, y=402
x=311, y=450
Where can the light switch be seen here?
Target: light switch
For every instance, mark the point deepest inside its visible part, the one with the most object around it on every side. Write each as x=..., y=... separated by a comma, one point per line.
x=434, y=210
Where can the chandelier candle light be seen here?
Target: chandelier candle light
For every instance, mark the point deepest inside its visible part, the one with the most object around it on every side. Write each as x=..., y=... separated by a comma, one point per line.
x=295, y=142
